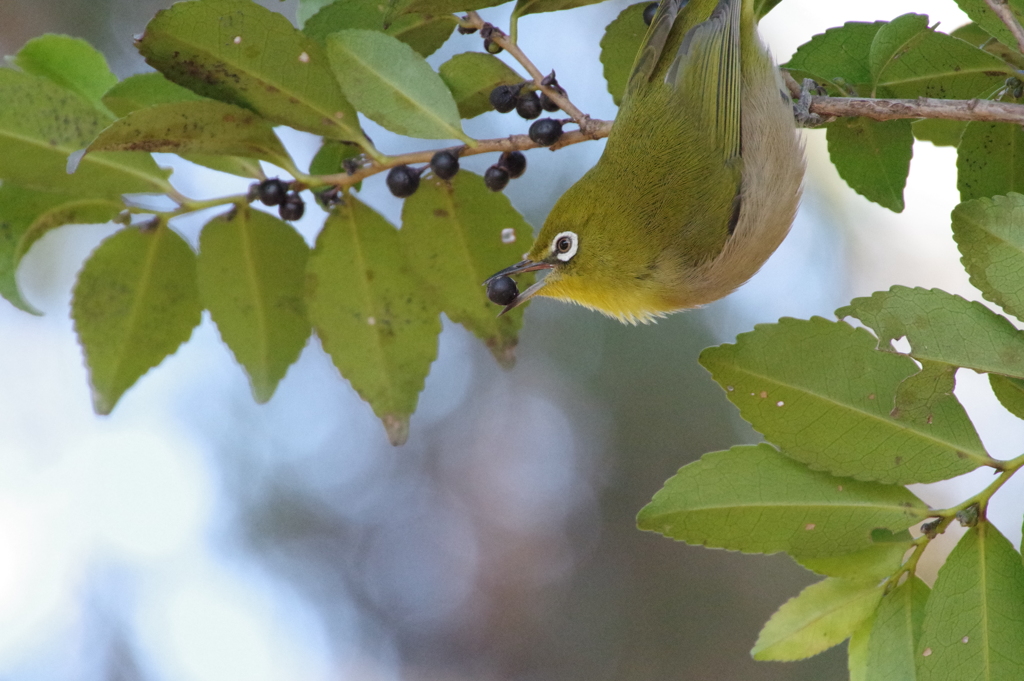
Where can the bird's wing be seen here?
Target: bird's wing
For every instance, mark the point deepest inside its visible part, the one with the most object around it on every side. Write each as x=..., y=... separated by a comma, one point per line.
x=705, y=69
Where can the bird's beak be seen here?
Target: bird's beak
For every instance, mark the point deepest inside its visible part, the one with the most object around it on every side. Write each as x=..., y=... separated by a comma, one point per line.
x=519, y=268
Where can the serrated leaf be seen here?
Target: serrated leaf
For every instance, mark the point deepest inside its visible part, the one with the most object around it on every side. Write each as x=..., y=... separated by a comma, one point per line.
x=205, y=127
x=980, y=13
x=619, y=45
x=1009, y=392
x=990, y=235
x=990, y=160
x=942, y=327
x=910, y=59
x=927, y=397
x=838, y=58
x=252, y=269
x=449, y=6
x=895, y=632
x=424, y=33
x=393, y=86
x=26, y=215
x=41, y=124
x=455, y=235
x=470, y=76
x=71, y=63
x=823, y=615
x=974, y=621
x=873, y=157
x=369, y=313
x=756, y=500
x=134, y=303
x=799, y=383
x=150, y=89
x=240, y=53
x=874, y=563
x=524, y=7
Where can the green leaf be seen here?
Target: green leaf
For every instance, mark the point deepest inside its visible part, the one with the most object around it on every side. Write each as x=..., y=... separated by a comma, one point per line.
x=910, y=59
x=331, y=156
x=471, y=76
x=41, y=124
x=974, y=620
x=990, y=160
x=892, y=642
x=146, y=89
x=251, y=270
x=524, y=7
x=393, y=86
x=873, y=157
x=838, y=58
x=621, y=42
x=307, y=8
x=449, y=6
x=823, y=392
x=71, y=63
x=979, y=37
x=762, y=7
x=990, y=235
x=755, y=500
x=857, y=651
x=194, y=127
x=823, y=615
x=237, y=52
x=939, y=132
x=135, y=302
x=1009, y=392
x=424, y=33
x=874, y=563
x=25, y=215
x=456, y=234
x=980, y=13
x=366, y=309
x=942, y=327
x=150, y=89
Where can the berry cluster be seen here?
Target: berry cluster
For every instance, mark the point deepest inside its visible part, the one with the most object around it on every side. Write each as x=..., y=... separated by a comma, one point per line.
x=274, y=192
x=404, y=180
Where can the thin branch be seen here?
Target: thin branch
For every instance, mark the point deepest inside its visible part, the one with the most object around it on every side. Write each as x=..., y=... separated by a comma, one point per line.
x=923, y=107
x=587, y=126
x=599, y=129
x=1002, y=9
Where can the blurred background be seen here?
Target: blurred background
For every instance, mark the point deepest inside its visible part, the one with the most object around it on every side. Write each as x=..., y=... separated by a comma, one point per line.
x=194, y=535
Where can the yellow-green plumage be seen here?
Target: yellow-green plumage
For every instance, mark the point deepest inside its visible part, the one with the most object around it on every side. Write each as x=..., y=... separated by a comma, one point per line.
x=700, y=178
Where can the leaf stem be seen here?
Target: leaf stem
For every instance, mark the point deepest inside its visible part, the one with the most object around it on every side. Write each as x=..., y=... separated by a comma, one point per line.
x=945, y=517
x=586, y=124
x=1003, y=11
x=599, y=129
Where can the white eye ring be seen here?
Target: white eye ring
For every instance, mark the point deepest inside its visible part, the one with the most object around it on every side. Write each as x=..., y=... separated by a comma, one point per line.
x=565, y=245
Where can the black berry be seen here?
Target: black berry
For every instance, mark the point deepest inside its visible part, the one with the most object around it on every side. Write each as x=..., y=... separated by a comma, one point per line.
x=466, y=30
x=514, y=162
x=528, y=105
x=504, y=98
x=445, y=164
x=403, y=181
x=492, y=47
x=272, y=192
x=502, y=291
x=649, y=13
x=547, y=104
x=546, y=131
x=292, y=207
x=496, y=178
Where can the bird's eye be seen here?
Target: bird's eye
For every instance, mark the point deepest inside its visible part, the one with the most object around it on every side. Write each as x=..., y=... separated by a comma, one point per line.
x=564, y=246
